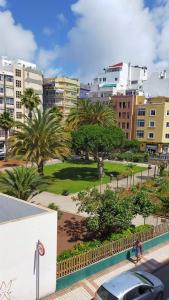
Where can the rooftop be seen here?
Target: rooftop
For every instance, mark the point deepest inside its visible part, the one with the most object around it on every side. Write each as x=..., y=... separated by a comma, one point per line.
x=12, y=209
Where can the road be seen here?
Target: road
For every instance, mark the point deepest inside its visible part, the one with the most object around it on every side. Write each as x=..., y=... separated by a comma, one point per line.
x=163, y=274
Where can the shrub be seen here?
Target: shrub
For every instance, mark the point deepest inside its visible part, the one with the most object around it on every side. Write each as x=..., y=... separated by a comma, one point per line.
x=130, y=156
x=65, y=193
x=86, y=246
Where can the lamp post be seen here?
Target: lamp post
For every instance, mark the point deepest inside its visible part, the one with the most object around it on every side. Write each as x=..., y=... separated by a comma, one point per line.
x=4, y=88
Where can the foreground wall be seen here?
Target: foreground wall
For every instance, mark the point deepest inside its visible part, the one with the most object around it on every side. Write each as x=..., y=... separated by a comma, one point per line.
x=18, y=241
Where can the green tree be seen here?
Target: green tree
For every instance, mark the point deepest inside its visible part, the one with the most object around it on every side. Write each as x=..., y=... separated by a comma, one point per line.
x=107, y=211
x=132, y=145
x=21, y=182
x=6, y=123
x=98, y=141
x=143, y=205
x=30, y=100
x=40, y=139
x=130, y=169
x=87, y=112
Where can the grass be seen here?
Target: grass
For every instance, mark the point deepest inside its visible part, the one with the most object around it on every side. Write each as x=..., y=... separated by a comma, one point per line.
x=77, y=176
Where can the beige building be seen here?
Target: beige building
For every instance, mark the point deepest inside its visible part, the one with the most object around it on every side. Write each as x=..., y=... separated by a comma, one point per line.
x=15, y=77
x=62, y=92
x=152, y=125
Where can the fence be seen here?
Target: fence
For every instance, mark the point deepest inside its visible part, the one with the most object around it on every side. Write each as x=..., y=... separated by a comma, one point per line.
x=78, y=262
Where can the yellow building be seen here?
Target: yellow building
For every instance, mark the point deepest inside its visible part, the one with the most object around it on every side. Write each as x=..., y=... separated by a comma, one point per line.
x=62, y=92
x=152, y=125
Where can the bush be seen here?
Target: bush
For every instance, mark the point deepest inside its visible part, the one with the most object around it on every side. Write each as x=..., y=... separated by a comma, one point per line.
x=86, y=246
x=130, y=156
x=65, y=193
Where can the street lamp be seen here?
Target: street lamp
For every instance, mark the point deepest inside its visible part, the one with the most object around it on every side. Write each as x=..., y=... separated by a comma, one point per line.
x=4, y=87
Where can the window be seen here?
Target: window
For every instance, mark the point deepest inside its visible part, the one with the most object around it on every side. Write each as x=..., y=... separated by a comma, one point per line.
x=123, y=125
x=139, y=134
x=10, y=101
x=152, y=124
x=128, y=115
x=120, y=104
x=152, y=112
x=9, y=78
x=100, y=79
x=115, y=78
x=141, y=112
x=127, y=135
x=167, y=124
x=2, y=133
x=18, y=73
x=104, y=79
x=133, y=294
x=124, y=104
x=18, y=83
x=167, y=112
x=123, y=115
x=18, y=104
x=1, y=89
x=151, y=135
x=127, y=125
x=1, y=100
x=104, y=294
x=134, y=82
x=18, y=94
x=140, y=123
x=167, y=135
x=128, y=104
x=119, y=114
x=10, y=111
x=19, y=115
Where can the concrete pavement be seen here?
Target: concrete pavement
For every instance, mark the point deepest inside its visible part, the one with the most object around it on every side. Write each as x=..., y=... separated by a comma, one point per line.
x=84, y=290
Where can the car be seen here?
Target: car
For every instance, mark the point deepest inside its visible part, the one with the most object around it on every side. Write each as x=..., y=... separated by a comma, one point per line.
x=2, y=154
x=138, y=285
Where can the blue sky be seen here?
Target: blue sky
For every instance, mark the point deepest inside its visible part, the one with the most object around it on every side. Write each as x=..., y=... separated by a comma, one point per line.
x=74, y=40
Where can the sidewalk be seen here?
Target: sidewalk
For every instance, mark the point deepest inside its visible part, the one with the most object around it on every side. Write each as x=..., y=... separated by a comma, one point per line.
x=85, y=289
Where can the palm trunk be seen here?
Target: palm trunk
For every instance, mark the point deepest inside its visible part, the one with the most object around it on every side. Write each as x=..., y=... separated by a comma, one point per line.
x=6, y=145
x=41, y=168
x=30, y=114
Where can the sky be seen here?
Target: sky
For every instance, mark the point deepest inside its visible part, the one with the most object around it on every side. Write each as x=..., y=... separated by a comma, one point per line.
x=79, y=38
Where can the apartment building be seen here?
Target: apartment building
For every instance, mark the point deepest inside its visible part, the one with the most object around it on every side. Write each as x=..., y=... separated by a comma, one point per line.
x=124, y=107
x=152, y=125
x=62, y=92
x=15, y=77
x=117, y=79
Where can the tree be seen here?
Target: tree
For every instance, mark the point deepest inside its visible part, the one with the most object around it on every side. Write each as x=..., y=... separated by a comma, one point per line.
x=132, y=145
x=143, y=206
x=107, y=212
x=6, y=123
x=21, y=182
x=130, y=168
x=40, y=139
x=97, y=140
x=87, y=112
x=30, y=100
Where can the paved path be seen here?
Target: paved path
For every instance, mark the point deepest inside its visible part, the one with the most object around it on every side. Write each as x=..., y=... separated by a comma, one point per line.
x=85, y=289
x=66, y=203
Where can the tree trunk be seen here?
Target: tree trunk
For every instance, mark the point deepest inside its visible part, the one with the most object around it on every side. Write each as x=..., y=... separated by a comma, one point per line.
x=41, y=168
x=30, y=114
x=144, y=220
x=86, y=154
x=6, y=145
x=100, y=167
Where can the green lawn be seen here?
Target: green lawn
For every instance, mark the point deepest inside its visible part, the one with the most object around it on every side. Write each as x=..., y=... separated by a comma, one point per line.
x=77, y=176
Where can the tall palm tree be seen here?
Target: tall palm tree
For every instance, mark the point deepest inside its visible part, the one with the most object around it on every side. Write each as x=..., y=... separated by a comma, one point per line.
x=87, y=112
x=21, y=182
x=6, y=123
x=30, y=100
x=40, y=139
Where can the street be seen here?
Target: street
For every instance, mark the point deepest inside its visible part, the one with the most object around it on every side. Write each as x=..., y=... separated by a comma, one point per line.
x=163, y=274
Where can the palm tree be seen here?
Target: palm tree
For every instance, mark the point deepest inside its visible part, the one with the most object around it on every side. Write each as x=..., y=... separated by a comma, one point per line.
x=41, y=138
x=6, y=123
x=87, y=112
x=21, y=182
x=30, y=100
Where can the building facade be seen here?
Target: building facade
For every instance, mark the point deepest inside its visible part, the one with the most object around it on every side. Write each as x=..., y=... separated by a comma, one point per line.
x=157, y=85
x=117, y=79
x=152, y=125
x=15, y=77
x=62, y=92
x=84, y=91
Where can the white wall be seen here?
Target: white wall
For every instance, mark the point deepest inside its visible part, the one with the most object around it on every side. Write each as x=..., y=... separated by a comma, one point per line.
x=17, y=249
x=156, y=86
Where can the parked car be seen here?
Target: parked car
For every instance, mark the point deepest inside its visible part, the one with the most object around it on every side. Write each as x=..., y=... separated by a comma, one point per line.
x=136, y=285
x=2, y=154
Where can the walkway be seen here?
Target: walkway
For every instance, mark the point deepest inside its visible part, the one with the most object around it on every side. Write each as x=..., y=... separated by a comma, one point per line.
x=85, y=289
x=66, y=203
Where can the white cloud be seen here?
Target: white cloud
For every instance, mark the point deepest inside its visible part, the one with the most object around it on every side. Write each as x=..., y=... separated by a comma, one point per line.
x=2, y=3
x=47, y=31
x=61, y=18
x=46, y=59
x=110, y=31
x=16, y=42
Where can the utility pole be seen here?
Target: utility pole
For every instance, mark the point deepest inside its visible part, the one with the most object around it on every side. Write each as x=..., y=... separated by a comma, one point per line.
x=4, y=92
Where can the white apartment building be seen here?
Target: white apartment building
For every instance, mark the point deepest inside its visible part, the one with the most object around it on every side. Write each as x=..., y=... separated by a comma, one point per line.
x=157, y=85
x=121, y=78
x=15, y=77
